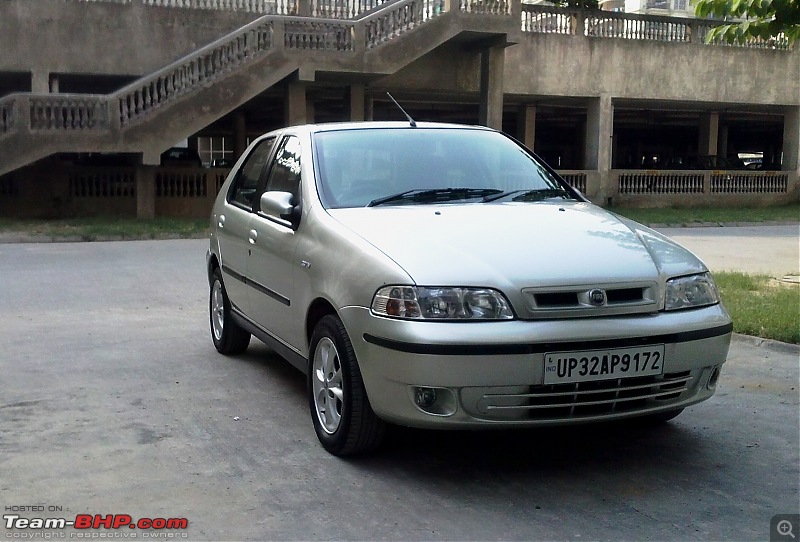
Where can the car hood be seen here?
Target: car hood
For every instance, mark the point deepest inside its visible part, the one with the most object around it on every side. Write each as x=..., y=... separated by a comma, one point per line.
x=517, y=244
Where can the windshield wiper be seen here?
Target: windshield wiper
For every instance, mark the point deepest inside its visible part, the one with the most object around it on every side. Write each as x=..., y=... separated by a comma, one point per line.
x=536, y=194
x=432, y=195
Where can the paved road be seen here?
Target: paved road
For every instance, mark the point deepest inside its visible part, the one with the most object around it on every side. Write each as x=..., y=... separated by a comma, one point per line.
x=113, y=401
x=771, y=250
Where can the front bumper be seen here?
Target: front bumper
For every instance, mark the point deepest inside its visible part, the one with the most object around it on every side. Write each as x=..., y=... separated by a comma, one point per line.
x=491, y=373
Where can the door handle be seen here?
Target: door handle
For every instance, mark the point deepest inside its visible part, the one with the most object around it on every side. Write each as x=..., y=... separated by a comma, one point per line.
x=221, y=221
x=253, y=235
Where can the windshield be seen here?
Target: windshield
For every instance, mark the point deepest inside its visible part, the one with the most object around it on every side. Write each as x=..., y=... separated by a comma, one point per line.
x=412, y=166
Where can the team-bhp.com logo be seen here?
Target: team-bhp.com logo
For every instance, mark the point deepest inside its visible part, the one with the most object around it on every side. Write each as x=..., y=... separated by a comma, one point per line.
x=93, y=522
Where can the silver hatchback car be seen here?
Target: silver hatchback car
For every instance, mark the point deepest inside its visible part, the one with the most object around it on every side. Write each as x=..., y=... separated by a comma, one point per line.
x=442, y=276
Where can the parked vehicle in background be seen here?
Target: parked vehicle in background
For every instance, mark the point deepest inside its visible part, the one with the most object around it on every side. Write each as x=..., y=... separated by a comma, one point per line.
x=442, y=276
x=181, y=156
x=705, y=162
x=222, y=163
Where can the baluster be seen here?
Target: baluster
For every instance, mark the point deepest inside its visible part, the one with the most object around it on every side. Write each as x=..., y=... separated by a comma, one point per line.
x=65, y=113
x=48, y=116
x=83, y=116
x=123, y=110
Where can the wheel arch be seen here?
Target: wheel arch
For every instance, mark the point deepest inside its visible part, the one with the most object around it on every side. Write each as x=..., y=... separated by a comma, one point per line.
x=211, y=265
x=319, y=308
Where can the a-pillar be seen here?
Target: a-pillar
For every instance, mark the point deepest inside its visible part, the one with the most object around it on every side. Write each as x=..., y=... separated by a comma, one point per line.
x=356, y=100
x=296, y=105
x=708, y=138
x=526, y=131
x=791, y=140
x=599, y=136
x=491, y=106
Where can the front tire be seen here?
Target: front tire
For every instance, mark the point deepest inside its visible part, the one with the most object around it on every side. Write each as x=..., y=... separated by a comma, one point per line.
x=343, y=418
x=228, y=337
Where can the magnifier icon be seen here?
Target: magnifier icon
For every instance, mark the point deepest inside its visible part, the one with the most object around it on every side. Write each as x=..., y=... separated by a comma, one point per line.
x=785, y=528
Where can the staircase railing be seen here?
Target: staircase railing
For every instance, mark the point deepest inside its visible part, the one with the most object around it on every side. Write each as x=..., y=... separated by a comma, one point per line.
x=43, y=113
x=193, y=72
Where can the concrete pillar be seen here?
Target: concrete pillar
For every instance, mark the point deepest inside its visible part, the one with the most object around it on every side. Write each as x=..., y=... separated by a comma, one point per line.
x=40, y=82
x=311, y=114
x=791, y=139
x=296, y=108
x=355, y=101
x=491, y=106
x=54, y=84
x=370, y=113
x=239, y=134
x=303, y=8
x=599, y=132
x=722, y=141
x=526, y=131
x=145, y=192
x=709, y=134
x=599, y=136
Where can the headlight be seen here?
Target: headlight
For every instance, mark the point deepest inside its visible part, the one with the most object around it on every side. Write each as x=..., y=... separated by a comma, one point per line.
x=435, y=303
x=691, y=291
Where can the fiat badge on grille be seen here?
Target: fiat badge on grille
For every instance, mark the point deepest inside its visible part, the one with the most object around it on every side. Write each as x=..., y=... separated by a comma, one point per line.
x=597, y=297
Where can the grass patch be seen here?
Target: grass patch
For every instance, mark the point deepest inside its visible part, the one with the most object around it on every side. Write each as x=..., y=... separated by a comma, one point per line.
x=761, y=306
x=722, y=215
x=91, y=229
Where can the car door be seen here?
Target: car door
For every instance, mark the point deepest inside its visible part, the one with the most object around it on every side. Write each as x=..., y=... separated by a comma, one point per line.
x=233, y=223
x=273, y=245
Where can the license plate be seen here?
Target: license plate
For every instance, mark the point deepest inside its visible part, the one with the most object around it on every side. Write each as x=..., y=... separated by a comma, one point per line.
x=591, y=365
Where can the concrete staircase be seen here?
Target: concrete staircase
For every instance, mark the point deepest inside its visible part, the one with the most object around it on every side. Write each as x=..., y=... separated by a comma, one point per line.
x=177, y=101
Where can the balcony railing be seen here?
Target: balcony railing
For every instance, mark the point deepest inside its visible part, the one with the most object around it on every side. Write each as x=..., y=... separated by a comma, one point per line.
x=542, y=19
x=638, y=182
x=536, y=18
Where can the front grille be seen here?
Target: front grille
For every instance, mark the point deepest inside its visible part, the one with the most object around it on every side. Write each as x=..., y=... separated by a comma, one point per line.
x=585, y=399
x=625, y=295
x=581, y=301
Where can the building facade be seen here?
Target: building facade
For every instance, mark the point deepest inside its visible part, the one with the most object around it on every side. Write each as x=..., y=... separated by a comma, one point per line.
x=634, y=109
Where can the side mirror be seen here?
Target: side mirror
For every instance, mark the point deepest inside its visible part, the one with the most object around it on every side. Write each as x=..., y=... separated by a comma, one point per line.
x=279, y=206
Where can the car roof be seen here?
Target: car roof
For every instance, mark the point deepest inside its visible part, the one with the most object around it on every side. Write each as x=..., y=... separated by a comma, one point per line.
x=371, y=125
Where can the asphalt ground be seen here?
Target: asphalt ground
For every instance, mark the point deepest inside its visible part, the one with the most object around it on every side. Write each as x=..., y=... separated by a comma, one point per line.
x=114, y=402
x=772, y=250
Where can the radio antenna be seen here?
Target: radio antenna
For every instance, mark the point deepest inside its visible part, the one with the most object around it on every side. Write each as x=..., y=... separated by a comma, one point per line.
x=411, y=121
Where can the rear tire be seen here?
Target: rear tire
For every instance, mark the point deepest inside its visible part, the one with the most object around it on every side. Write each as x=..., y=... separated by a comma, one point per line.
x=343, y=418
x=228, y=337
